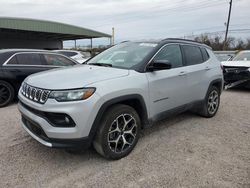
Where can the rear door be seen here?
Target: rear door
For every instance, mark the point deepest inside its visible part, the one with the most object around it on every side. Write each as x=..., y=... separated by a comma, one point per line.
x=167, y=88
x=196, y=60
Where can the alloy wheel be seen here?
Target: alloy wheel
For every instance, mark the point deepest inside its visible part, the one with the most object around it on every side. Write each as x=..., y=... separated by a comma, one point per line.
x=4, y=94
x=213, y=102
x=122, y=133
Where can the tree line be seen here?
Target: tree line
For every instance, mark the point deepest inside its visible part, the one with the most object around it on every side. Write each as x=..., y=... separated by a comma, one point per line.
x=217, y=42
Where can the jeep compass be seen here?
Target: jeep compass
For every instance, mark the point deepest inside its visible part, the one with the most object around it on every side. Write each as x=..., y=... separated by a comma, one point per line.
x=108, y=101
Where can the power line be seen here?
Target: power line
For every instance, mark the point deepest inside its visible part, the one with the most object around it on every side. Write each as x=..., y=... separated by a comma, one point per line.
x=166, y=10
x=221, y=32
x=221, y=26
x=184, y=8
x=157, y=8
x=159, y=13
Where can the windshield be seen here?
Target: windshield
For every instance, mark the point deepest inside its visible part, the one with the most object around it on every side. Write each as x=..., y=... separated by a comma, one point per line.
x=124, y=55
x=244, y=56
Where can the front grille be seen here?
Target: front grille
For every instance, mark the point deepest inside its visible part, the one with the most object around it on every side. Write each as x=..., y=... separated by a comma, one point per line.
x=35, y=94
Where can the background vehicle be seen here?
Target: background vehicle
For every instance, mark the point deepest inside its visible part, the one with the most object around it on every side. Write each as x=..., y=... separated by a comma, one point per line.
x=225, y=55
x=115, y=57
x=17, y=64
x=237, y=71
x=79, y=56
x=108, y=103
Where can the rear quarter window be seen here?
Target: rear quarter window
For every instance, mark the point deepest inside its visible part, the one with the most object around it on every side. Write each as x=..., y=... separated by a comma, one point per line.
x=5, y=56
x=13, y=61
x=204, y=54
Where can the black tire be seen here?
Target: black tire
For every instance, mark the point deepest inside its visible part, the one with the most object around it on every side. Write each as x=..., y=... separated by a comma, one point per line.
x=247, y=85
x=206, y=109
x=113, y=128
x=6, y=93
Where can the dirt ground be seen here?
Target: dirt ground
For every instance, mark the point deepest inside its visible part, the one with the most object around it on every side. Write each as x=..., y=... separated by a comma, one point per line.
x=184, y=151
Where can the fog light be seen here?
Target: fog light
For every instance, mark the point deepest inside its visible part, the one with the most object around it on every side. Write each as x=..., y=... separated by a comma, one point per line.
x=60, y=120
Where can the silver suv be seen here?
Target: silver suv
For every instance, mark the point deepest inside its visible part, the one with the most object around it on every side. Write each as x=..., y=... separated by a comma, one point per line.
x=117, y=93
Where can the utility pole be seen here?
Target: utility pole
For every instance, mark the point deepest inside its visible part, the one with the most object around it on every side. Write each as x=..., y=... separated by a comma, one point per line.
x=113, y=36
x=91, y=43
x=228, y=21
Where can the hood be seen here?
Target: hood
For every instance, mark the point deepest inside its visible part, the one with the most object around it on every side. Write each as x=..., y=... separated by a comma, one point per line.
x=236, y=63
x=74, y=77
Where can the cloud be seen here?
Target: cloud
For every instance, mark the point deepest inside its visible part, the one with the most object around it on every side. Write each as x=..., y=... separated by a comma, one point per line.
x=135, y=19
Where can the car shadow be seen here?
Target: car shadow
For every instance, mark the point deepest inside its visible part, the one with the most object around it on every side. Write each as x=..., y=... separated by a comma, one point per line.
x=239, y=89
x=90, y=153
x=36, y=150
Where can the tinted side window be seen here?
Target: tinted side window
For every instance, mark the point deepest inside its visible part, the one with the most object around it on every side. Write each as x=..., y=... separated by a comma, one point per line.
x=192, y=54
x=29, y=59
x=205, y=54
x=172, y=53
x=57, y=60
x=13, y=61
x=68, y=54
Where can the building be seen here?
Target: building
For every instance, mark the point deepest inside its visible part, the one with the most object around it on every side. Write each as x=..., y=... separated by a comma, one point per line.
x=40, y=34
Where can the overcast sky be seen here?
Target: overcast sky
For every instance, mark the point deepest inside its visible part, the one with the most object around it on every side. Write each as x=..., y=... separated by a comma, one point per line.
x=137, y=19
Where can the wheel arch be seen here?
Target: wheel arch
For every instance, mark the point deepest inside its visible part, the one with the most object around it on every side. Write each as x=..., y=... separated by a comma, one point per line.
x=136, y=101
x=12, y=83
x=217, y=83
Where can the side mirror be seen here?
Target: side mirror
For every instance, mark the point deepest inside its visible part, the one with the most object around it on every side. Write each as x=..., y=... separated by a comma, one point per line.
x=159, y=65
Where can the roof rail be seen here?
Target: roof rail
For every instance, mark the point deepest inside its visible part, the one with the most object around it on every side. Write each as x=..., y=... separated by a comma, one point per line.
x=187, y=40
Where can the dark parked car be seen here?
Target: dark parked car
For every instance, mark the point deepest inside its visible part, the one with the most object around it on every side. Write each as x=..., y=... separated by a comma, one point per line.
x=17, y=64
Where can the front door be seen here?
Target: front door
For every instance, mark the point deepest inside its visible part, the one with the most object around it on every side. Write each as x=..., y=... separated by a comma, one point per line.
x=167, y=88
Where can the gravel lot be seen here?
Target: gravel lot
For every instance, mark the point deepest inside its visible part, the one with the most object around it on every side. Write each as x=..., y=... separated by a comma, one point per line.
x=184, y=151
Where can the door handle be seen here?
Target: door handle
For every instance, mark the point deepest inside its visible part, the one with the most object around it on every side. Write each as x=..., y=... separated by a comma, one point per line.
x=182, y=73
x=207, y=68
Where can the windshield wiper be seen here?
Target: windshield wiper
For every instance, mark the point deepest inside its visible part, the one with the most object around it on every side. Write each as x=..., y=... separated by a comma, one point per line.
x=102, y=64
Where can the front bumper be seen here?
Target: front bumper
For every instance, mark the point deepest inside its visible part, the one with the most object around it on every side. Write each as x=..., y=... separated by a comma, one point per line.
x=38, y=134
x=83, y=114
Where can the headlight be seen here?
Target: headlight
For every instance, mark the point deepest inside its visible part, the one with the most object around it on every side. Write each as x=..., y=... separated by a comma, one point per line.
x=72, y=95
